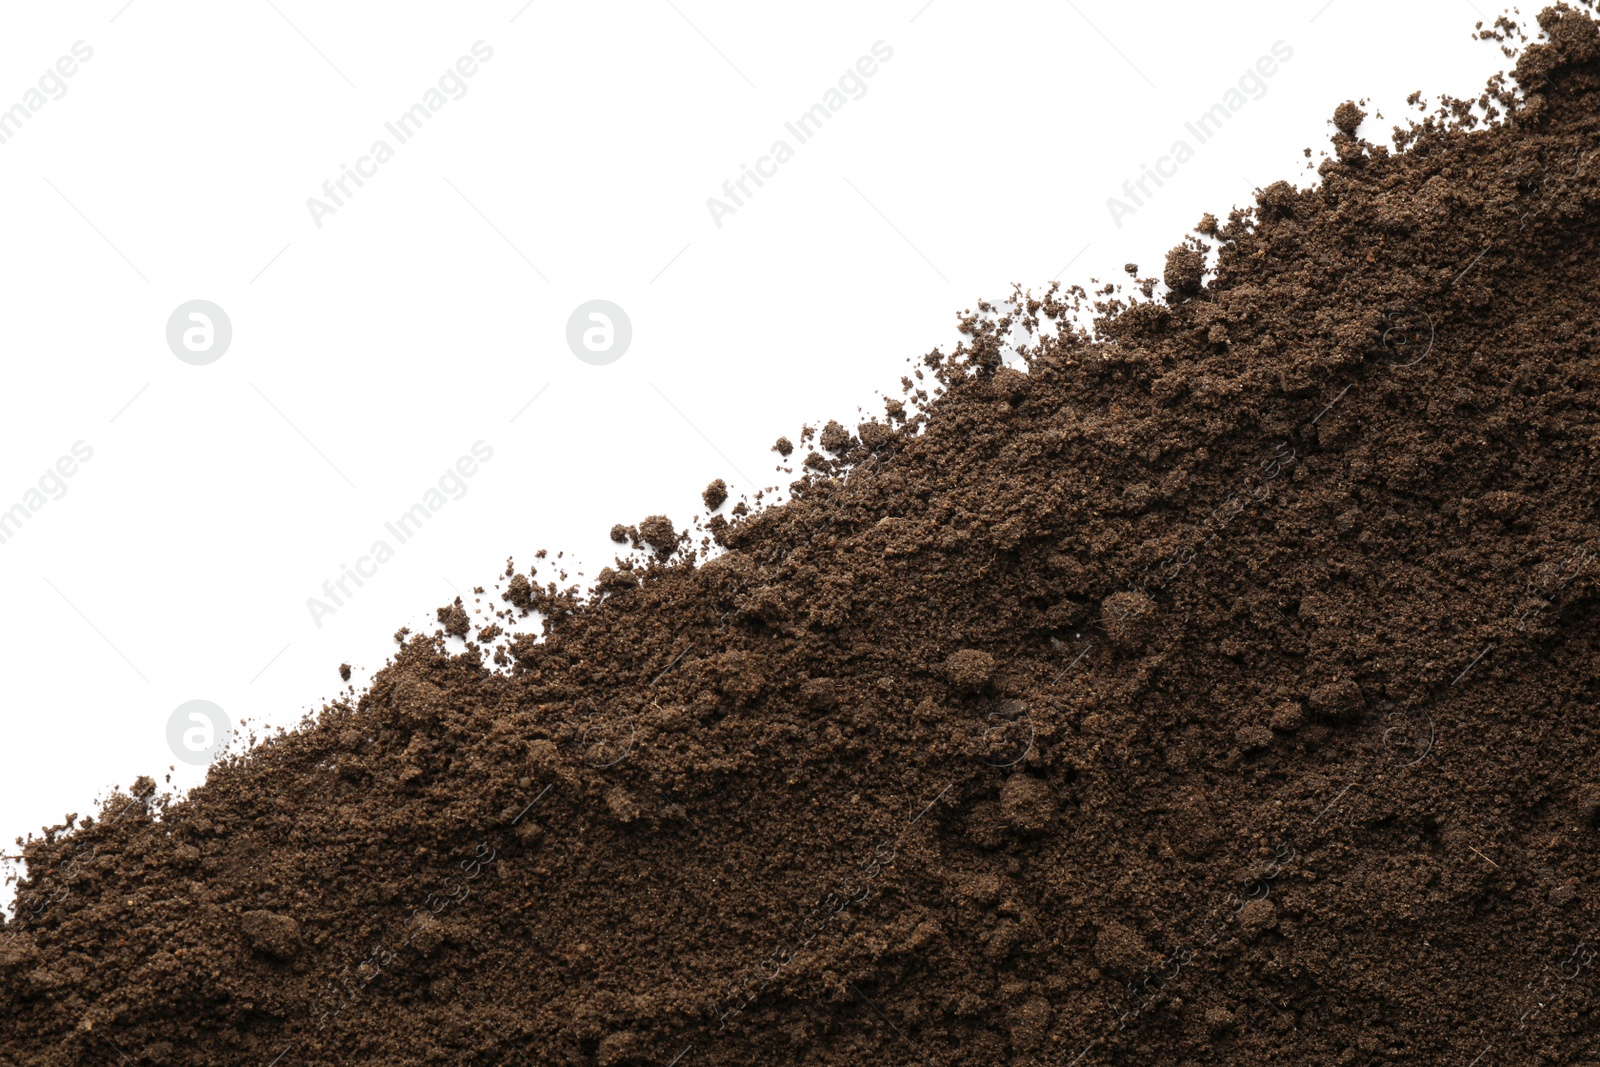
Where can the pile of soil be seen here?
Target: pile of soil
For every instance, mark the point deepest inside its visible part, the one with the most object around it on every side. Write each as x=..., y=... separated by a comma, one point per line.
x=1219, y=690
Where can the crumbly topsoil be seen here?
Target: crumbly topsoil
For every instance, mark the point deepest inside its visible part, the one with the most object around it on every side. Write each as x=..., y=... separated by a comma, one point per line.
x=1220, y=690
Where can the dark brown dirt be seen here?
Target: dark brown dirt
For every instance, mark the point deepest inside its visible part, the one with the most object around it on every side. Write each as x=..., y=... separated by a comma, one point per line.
x=1221, y=690
x=658, y=532
x=1347, y=116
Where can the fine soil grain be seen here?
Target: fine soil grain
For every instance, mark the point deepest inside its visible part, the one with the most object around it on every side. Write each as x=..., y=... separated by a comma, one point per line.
x=1215, y=687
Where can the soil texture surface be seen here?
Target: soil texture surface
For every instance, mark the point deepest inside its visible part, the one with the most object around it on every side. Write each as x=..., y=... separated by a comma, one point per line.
x=1200, y=672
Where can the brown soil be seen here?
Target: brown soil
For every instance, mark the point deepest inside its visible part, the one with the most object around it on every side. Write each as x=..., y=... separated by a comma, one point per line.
x=1221, y=690
x=715, y=494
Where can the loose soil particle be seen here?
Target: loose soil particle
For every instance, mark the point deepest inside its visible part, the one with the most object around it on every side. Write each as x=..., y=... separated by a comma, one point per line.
x=1221, y=690
x=714, y=494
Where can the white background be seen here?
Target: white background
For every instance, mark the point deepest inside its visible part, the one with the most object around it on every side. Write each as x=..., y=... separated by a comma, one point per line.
x=424, y=314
